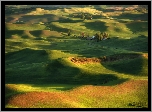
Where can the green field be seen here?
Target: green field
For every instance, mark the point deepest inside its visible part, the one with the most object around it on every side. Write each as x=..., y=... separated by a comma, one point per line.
x=46, y=68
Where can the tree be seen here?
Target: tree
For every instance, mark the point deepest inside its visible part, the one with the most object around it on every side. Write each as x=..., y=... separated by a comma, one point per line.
x=69, y=32
x=98, y=37
x=104, y=35
x=82, y=16
x=89, y=16
x=143, y=8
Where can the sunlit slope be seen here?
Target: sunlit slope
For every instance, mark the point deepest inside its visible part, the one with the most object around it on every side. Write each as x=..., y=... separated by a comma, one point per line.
x=131, y=94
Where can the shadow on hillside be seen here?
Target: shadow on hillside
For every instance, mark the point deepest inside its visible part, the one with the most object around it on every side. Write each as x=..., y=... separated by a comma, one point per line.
x=9, y=92
x=9, y=33
x=70, y=21
x=9, y=10
x=96, y=26
x=33, y=67
x=66, y=82
x=70, y=86
x=35, y=33
x=142, y=17
x=56, y=28
x=127, y=63
x=41, y=18
x=20, y=33
x=91, y=48
x=26, y=55
x=142, y=26
x=26, y=66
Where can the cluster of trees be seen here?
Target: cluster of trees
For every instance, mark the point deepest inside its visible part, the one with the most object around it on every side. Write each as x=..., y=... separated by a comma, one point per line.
x=101, y=36
x=83, y=16
x=86, y=16
x=143, y=8
x=98, y=36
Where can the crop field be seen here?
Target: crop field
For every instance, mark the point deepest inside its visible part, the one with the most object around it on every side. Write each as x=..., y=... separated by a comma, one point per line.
x=52, y=61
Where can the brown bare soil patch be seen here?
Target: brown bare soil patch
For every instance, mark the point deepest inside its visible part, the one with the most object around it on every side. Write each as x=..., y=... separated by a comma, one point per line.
x=127, y=87
x=116, y=13
x=83, y=60
x=42, y=99
x=50, y=33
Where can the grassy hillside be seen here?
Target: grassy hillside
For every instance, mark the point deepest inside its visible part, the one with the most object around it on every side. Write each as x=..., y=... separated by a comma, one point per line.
x=46, y=68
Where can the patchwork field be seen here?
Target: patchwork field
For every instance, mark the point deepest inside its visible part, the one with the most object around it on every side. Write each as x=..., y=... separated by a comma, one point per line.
x=49, y=65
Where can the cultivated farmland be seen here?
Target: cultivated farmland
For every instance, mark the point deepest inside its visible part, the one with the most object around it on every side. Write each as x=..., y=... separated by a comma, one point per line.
x=52, y=61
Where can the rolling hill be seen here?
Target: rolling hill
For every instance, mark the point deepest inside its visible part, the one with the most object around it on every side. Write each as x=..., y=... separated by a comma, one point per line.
x=46, y=68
